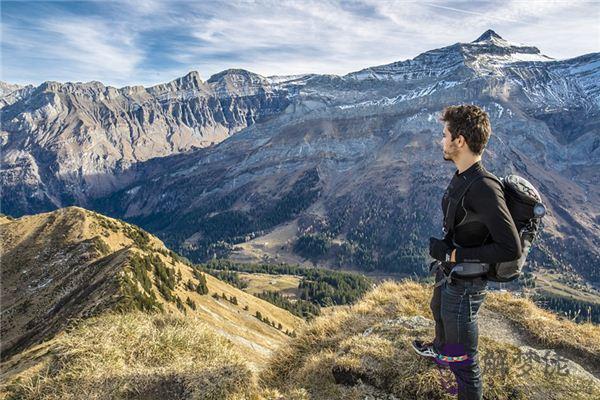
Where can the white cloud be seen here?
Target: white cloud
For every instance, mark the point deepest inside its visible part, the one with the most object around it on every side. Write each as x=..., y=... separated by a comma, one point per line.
x=312, y=36
x=71, y=49
x=97, y=48
x=331, y=39
x=129, y=42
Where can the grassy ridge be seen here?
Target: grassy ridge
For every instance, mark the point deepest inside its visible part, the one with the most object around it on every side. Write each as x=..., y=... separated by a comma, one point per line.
x=138, y=355
x=370, y=342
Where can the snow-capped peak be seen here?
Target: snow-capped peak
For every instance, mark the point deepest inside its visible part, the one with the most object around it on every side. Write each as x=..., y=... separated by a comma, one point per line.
x=490, y=51
x=492, y=44
x=487, y=55
x=490, y=37
x=487, y=35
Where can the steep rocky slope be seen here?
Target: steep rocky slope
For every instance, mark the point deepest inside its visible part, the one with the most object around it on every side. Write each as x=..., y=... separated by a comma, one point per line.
x=64, y=142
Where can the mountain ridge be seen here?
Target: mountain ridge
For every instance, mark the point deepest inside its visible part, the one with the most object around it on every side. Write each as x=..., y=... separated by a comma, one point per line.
x=74, y=264
x=350, y=160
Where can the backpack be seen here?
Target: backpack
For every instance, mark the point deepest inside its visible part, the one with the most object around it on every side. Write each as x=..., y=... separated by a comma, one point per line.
x=526, y=209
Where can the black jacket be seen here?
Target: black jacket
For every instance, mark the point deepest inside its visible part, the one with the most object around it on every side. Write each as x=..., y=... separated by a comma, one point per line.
x=493, y=236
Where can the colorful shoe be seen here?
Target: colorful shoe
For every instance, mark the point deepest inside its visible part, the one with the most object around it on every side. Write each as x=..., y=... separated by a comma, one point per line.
x=424, y=349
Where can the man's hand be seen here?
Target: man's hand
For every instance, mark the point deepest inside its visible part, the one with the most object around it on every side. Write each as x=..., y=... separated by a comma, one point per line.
x=439, y=249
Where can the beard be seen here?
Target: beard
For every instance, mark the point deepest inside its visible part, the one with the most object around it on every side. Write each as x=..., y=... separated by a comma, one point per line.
x=450, y=154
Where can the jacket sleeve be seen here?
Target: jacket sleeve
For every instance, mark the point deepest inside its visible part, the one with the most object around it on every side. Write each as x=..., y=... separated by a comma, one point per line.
x=486, y=199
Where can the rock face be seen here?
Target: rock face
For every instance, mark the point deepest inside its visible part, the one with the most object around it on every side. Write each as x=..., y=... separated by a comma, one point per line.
x=62, y=143
x=354, y=160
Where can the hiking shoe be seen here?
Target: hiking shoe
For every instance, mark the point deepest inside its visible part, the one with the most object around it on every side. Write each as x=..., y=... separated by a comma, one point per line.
x=424, y=349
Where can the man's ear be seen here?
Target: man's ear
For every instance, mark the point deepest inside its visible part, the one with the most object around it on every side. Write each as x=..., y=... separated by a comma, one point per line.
x=461, y=140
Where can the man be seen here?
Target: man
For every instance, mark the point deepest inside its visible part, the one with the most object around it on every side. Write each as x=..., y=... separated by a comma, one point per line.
x=482, y=232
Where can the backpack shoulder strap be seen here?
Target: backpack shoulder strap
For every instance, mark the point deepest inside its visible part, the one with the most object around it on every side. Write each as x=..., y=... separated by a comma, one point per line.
x=456, y=201
x=488, y=174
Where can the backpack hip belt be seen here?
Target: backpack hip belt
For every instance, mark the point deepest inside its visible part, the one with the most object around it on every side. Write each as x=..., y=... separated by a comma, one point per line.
x=463, y=270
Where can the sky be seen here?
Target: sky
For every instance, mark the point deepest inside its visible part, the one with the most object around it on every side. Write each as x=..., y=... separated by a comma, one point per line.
x=124, y=43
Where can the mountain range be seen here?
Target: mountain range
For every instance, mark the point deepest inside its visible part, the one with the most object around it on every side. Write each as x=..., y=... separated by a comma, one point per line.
x=342, y=171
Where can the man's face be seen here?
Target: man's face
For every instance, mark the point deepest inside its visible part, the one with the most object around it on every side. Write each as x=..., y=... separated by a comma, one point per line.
x=449, y=146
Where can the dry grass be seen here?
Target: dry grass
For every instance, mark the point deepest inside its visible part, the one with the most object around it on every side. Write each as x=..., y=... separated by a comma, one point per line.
x=548, y=328
x=137, y=355
x=141, y=356
x=371, y=341
x=551, y=283
x=259, y=282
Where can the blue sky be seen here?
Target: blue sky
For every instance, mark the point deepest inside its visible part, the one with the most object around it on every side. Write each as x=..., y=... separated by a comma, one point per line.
x=147, y=42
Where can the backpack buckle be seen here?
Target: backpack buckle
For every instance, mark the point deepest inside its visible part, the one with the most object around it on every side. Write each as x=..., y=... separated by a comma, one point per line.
x=434, y=266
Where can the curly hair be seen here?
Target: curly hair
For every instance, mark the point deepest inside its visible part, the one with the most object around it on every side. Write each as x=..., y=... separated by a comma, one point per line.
x=471, y=122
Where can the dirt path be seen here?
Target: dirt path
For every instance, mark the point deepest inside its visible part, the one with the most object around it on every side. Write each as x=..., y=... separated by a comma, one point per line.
x=499, y=328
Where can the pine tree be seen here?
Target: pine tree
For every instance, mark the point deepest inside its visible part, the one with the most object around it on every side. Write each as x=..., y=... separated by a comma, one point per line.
x=191, y=303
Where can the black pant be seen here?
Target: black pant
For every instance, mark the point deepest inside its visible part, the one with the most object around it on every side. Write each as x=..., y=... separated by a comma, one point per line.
x=455, y=306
